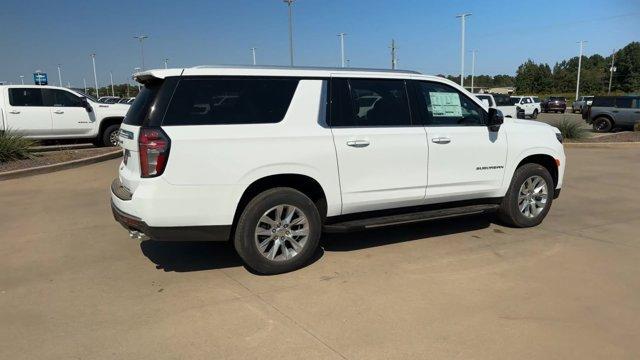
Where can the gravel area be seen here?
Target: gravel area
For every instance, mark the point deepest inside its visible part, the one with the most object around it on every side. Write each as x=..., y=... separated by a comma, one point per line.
x=53, y=157
x=625, y=136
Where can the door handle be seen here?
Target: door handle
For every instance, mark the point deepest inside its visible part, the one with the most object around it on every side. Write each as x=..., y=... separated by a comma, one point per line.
x=358, y=143
x=58, y=112
x=14, y=112
x=441, y=140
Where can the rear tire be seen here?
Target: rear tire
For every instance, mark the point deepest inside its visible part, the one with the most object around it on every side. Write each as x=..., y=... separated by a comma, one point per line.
x=110, y=136
x=529, y=197
x=270, y=240
x=535, y=114
x=602, y=125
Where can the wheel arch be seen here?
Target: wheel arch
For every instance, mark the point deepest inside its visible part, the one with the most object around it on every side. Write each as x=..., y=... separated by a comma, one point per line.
x=108, y=121
x=545, y=160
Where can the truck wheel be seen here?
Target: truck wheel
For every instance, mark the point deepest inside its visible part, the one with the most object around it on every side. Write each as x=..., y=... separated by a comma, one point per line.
x=602, y=125
x=529, y=197
x=110, y=135
x=535, y=114
x=278, y=231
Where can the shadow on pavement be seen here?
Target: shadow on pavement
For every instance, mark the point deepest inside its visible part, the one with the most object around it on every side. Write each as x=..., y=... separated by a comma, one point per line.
x=182, y=256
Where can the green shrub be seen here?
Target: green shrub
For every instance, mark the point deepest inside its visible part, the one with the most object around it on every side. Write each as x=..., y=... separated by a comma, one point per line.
x=14, y=147
x=571, y=129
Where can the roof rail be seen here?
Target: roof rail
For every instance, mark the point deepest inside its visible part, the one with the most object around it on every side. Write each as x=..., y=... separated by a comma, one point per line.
x=278, y=67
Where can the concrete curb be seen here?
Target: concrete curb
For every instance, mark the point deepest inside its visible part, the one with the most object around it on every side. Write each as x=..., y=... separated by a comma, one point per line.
x=617, y=145
x=46, y=148
x=14, y=174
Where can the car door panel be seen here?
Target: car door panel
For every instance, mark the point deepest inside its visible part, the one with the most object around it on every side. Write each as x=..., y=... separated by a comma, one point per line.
x=27, y=114
x=68, y=114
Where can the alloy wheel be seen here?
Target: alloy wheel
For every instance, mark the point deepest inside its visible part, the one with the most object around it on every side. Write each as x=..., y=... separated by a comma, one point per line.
x=281, y=233
x=533, y=195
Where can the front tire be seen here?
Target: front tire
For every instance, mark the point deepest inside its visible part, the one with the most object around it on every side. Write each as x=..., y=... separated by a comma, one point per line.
x=602, y=125
x=278, y=231
x=110, y=135
x=529, y=197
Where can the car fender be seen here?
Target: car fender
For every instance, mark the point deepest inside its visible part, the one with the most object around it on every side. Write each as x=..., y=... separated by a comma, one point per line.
x=515, y=160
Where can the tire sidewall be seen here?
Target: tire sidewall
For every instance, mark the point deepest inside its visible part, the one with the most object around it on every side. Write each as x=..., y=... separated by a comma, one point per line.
x=106, y=136
x=606, y=129
x=244, y=241
x=510, y=207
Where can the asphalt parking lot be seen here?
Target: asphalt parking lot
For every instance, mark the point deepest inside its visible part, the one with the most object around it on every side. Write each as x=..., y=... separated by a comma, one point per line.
x=73, y=285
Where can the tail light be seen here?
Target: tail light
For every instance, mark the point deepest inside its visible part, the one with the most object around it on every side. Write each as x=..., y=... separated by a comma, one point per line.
x=154, y=146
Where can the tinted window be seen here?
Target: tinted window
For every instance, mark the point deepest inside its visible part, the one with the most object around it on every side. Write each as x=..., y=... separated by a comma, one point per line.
x=341, y=109
x=502, y=100
x=536, y=100
x=442, y=105
x=485, y=97
x=26, y=97
x=64, y=98
x=218, y=101
x=515, y=101
x=623, y=102
x=636, y=103
x=603, y=102
x=373, y=103
x=140, y=107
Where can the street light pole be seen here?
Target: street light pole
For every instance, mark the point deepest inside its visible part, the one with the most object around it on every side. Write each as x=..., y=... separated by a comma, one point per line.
x=166, y=61
x=95, y=76
x=59, y=76
x=462, y=17
x=141, y=39
x=253, y=54
x=22, y=79
x=85, y=85
x=289, y=3
x=473, y=67
x=611, y=70
x=394, y=55
x=341, y=35
x=111, y=77
x=581, y=42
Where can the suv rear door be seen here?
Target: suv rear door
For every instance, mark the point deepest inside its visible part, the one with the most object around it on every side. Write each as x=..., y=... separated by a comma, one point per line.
x=381, y=150
x=27, y=112
x=624, y=111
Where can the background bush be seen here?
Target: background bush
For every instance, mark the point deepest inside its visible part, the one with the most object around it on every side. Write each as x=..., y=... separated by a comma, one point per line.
x=14, y=147
x=571, y=129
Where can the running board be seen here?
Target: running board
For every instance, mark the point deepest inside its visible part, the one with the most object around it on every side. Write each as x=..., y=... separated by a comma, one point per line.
x=407, y=218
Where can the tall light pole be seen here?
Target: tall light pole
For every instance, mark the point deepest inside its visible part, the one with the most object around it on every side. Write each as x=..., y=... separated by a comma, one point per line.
x=253, y=54
x=462, y=17
x=95, y=76
x=289, y=3
x=85, y=85
x=581, y=42
x=341, y=35
x=473, y=67
x=111, y=77
x=166, y=61
x=141, y=39
x=22, y=80
x=612, y=69
x=59, y=76
x=394, y=55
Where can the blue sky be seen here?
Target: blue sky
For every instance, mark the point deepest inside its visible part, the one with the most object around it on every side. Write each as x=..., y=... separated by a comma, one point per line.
x=40, y=34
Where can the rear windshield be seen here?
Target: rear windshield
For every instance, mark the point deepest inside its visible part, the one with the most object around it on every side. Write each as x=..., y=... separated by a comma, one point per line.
x=218, y=101
x=139, y=109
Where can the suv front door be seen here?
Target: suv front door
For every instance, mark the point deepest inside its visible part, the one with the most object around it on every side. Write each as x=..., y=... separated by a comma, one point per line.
x=382, y=153
x=68, y=113
x=466, y=160
x=27, y=113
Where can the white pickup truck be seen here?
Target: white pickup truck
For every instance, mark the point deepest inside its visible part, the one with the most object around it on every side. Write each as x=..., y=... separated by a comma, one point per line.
x=500, y=102
x=51, y=112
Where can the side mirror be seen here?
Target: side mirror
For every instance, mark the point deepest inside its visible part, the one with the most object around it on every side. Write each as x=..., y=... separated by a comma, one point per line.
x=86, y=105
x=486, y=102
x=495, y=119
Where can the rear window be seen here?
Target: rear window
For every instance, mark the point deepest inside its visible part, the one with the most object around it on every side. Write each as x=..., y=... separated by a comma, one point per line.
x=502, y=100
x=603, y=102
x=26, y=97
x=624, y=102
x=139, y=110
x=536, y=99
x=515, y=101
x=225, y=101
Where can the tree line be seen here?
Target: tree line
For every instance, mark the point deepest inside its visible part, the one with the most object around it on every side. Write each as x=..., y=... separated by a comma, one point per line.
x=540, y=78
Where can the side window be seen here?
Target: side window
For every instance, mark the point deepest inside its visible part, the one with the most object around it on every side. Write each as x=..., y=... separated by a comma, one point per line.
x=380, y=102
x=623, y=102
x=636, y=103
x=26, y=97
x=341, y=109
x=527, y=101
x=442, y=105
x=64, y=98
x=220, y=101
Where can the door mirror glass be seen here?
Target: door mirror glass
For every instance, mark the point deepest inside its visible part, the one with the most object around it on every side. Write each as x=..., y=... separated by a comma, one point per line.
x=495, y=119
x=86, y=105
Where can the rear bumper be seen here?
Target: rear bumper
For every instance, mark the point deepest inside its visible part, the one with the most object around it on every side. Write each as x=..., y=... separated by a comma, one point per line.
x=164, y=233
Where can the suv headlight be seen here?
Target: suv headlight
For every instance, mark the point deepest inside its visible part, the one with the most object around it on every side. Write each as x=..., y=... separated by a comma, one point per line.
x=559, y=137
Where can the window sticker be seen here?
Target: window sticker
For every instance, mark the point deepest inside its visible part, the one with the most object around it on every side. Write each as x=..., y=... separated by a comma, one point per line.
x=445, y=104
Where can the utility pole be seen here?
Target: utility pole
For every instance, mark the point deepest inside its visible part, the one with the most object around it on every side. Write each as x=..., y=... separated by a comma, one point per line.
x=462, y=17
x=394, y=56
x=581, y=42
x=141, y=39
x=59, y=76
x=348, y=63
x=289, y=3
x=95, y=76
x=166, y=61
x=69, y=84
x=111, y=77
x=85, y=85
x=22, y=79
x=473, y=67
x=253, y=54
x=341, y=35
x=612, y=69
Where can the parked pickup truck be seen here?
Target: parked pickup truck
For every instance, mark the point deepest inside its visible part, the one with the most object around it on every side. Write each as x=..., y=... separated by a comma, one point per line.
x=582, y=104
x=51, y=112
x=268, y=158
x=502, y=103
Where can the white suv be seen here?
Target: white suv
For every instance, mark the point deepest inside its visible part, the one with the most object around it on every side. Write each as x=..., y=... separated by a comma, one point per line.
x=270, y=157
x=530, y=105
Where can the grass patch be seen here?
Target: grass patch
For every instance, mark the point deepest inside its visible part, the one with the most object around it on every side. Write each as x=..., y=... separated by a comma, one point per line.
x=571, y=129
x=14, y=147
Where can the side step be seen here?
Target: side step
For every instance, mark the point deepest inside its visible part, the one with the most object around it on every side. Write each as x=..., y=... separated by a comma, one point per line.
x=406, y=218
